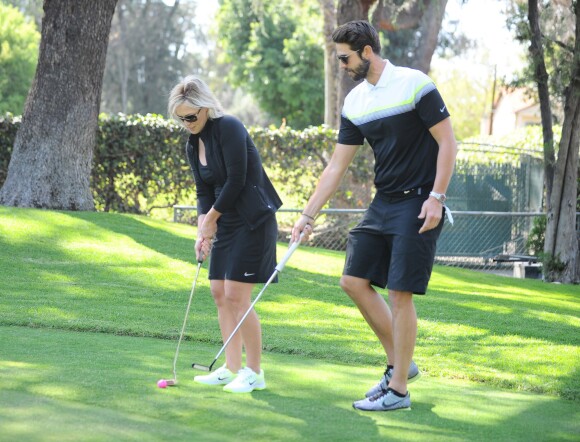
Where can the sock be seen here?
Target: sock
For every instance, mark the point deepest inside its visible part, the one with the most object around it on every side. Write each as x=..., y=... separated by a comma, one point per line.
x=396, y=393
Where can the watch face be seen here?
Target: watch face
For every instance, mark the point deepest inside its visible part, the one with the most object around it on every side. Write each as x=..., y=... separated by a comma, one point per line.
x=439, y=196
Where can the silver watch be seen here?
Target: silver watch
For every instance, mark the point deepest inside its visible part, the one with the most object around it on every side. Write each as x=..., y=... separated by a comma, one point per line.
x=439, y=197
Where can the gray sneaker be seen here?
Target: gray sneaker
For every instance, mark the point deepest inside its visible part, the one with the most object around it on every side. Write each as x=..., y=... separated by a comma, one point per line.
x=413, y=375
x=386, y=400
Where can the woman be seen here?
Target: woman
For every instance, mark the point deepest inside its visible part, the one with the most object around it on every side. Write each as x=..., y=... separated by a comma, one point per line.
x=236, y=223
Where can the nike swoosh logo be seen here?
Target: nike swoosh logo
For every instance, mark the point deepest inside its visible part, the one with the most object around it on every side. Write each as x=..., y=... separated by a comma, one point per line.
x=252, y=383
x=442, y=109
x=249, y=274
x=222, y=379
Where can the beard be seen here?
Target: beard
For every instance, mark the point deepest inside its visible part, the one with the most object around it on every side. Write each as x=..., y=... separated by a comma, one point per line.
x=360, y=71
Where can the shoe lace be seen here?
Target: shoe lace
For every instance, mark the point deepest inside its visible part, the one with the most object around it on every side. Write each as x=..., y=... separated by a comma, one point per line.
x=378, y=395
x=386, y=378
x=222, y=371
x=245, y=373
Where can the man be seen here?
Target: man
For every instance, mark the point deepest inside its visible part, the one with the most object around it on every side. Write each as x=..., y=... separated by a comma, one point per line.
x=401, y=114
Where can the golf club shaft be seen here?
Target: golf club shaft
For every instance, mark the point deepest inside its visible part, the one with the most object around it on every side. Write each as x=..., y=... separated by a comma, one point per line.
x=199, y=263
x=277, y=270
x=242, y=320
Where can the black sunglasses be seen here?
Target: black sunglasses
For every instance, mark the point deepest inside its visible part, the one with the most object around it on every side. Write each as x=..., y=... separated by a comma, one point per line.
x=192, y=118
x=344, y=58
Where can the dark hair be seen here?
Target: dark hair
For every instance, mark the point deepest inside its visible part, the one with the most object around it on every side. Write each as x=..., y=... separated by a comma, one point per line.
x=358, y=34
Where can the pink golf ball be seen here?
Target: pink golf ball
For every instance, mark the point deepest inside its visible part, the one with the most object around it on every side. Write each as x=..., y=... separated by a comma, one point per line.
x=162, y=383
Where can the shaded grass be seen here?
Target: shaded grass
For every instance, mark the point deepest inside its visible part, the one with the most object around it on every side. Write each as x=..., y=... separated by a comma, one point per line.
x=63, y=385
x=131, y=275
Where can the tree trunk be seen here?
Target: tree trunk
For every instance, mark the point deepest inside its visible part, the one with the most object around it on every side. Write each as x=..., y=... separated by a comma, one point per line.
x=541, y=78
x=348, y=10
x=123, y=61
x=430, y=25
x=561, y=244
x=330, y=65
x=51, y=162
x=390, y=15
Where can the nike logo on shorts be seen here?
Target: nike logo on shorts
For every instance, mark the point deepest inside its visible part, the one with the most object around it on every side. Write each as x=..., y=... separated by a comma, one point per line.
x=442, y=109
x=249, y=274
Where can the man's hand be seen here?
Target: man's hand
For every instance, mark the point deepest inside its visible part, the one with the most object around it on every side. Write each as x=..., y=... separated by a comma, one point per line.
x=303, y=224
x=431, y=212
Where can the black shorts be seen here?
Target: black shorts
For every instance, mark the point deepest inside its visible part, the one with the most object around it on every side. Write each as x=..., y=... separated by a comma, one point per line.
x=241, y=254
x=387, y=249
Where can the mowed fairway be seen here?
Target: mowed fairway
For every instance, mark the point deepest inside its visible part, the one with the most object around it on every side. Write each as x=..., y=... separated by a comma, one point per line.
x=91, y=305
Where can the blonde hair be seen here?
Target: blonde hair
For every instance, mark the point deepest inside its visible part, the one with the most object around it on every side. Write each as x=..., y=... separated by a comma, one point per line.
x=193, y=91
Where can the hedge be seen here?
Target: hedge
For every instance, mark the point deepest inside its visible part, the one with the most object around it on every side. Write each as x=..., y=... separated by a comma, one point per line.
x=139, y=163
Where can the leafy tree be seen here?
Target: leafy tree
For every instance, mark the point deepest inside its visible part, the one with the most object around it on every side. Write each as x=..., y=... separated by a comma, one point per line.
x=410, y=33
x=147, y=51
x=556, y=27
x=331, y=116
x=51, y=161
x=147, y=54
x=561, y=247
x=466, y=98
x=19, y=41
x=238, y=102
x=30, y=8
x=275, y=56
x=410, y=29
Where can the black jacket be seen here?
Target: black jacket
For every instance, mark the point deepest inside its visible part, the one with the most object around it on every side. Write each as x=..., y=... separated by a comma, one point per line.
x=237, y=167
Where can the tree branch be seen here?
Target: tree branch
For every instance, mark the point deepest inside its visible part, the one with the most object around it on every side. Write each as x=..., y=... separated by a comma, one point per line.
x=559, y=43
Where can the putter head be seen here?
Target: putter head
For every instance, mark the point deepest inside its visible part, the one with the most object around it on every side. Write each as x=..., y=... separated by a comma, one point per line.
x=201, y=367
x=171, y=382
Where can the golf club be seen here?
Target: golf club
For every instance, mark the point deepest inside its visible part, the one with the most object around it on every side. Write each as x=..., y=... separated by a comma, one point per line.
x=277, y=270
x=171, y=382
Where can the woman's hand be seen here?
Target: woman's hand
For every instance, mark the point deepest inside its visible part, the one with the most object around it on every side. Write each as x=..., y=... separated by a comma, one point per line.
x=208, y=230
x=202, y=249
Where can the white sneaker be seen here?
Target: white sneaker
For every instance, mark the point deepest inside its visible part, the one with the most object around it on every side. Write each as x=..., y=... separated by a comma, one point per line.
x=385, y=400
x=246, y=381
x=219, y=377
x=413, y=375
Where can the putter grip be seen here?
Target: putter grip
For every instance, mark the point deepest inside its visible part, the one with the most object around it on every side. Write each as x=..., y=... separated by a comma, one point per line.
x=288, y=254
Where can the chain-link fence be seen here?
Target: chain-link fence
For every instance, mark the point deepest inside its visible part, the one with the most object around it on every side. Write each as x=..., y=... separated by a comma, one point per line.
x=473, y=241
x=482, y=183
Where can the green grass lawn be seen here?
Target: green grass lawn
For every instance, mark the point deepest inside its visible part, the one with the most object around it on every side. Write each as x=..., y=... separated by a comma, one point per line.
x=91, y=305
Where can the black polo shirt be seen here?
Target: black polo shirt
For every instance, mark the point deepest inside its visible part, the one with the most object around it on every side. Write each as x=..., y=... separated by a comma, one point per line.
x=395, y=116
